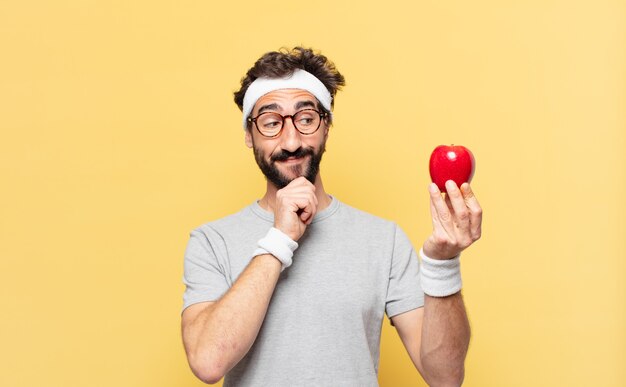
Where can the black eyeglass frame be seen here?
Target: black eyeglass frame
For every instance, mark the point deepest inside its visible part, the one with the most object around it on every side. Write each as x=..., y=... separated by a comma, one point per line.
x=322, y=115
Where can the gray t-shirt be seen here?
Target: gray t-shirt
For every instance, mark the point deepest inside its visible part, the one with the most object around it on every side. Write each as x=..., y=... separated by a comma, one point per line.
x=325, y=317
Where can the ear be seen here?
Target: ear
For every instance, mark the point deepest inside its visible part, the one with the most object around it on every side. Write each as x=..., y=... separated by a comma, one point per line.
x=248, y=138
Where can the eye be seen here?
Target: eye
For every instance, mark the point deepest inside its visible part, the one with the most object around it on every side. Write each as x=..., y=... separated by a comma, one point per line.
x=306, y=117
x=271, y=124
x=270, y=120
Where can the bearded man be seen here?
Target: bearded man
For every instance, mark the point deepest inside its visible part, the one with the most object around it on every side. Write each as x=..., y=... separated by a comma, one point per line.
x=292, y=290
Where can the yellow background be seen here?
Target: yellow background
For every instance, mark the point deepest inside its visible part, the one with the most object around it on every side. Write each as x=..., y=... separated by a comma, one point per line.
x=119, y=135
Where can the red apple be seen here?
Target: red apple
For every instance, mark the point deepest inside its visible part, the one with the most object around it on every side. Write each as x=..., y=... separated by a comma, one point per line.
x=451, y=162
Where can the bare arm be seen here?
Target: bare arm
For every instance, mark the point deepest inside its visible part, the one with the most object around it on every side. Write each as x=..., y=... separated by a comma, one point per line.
x=445, y=339
x=437, y=336
x=217, y=335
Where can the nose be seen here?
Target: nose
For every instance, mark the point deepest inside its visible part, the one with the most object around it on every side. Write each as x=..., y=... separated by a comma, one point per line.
x=290, y=137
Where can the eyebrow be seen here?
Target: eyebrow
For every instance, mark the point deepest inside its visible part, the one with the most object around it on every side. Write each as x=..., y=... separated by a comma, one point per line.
x=271, y=106
x=275, y=106
x=302, y=104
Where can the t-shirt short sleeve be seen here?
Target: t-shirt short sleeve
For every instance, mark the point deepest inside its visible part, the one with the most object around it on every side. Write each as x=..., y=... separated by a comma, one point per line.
x=404, y=292
x=203, y=275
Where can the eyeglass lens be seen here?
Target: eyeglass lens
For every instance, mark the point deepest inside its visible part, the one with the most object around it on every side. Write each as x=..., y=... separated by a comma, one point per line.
x=306, y=121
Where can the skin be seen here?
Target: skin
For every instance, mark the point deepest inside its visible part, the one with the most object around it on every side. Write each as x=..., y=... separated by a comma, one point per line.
x=217, y=335
x=437, y=335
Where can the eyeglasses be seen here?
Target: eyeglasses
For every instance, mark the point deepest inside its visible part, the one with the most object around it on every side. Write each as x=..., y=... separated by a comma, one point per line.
x=270, y=124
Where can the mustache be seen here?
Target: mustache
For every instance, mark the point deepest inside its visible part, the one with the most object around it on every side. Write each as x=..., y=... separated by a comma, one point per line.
x=300, y=152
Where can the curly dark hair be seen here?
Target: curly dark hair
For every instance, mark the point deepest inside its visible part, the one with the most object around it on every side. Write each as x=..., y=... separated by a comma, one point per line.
x=277, y=64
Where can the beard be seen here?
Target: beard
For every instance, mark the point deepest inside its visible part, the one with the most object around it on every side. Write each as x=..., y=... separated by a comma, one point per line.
x=308, y=170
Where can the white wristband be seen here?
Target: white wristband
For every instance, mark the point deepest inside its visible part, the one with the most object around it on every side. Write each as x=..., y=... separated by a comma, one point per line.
x=279, y=245
x=440, y=277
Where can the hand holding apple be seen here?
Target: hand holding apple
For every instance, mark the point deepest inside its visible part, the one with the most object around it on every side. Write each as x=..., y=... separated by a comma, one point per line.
x=457, y=221
x=457, y=218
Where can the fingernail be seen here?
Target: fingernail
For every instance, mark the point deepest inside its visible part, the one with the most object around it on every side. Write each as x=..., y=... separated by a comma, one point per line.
x=432, y=187
x=450, y=185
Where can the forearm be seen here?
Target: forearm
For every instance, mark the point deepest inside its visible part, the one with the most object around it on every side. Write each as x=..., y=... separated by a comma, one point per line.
x=220, y=336
x=445, y=340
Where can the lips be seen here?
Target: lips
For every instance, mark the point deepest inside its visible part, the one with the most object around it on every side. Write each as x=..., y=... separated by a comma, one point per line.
x=292, y=156
x=292, y=159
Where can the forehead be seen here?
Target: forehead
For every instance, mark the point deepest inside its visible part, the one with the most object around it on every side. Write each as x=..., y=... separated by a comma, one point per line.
x=284, y=99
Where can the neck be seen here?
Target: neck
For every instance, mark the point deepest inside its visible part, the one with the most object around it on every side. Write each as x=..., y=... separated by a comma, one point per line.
x=268, y=201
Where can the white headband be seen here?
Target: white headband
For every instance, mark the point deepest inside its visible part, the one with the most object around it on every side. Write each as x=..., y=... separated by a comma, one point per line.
x=300, y=79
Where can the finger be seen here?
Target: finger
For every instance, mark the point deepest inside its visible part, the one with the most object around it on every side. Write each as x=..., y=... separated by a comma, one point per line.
x=301, y=181
x=297, y=202
x=306, y=208
x=297, y=180
x=307, y=217
x=435, y=219
x=305, y=194
x=441, y=209
x=297, y=189
x=300, y=184
x=460, y=213
x=300, y=190
x=469, y=196
x=476, y=212
x=448, y=202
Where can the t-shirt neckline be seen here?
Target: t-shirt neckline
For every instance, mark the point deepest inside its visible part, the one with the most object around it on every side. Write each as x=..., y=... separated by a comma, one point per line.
x=320, y=216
